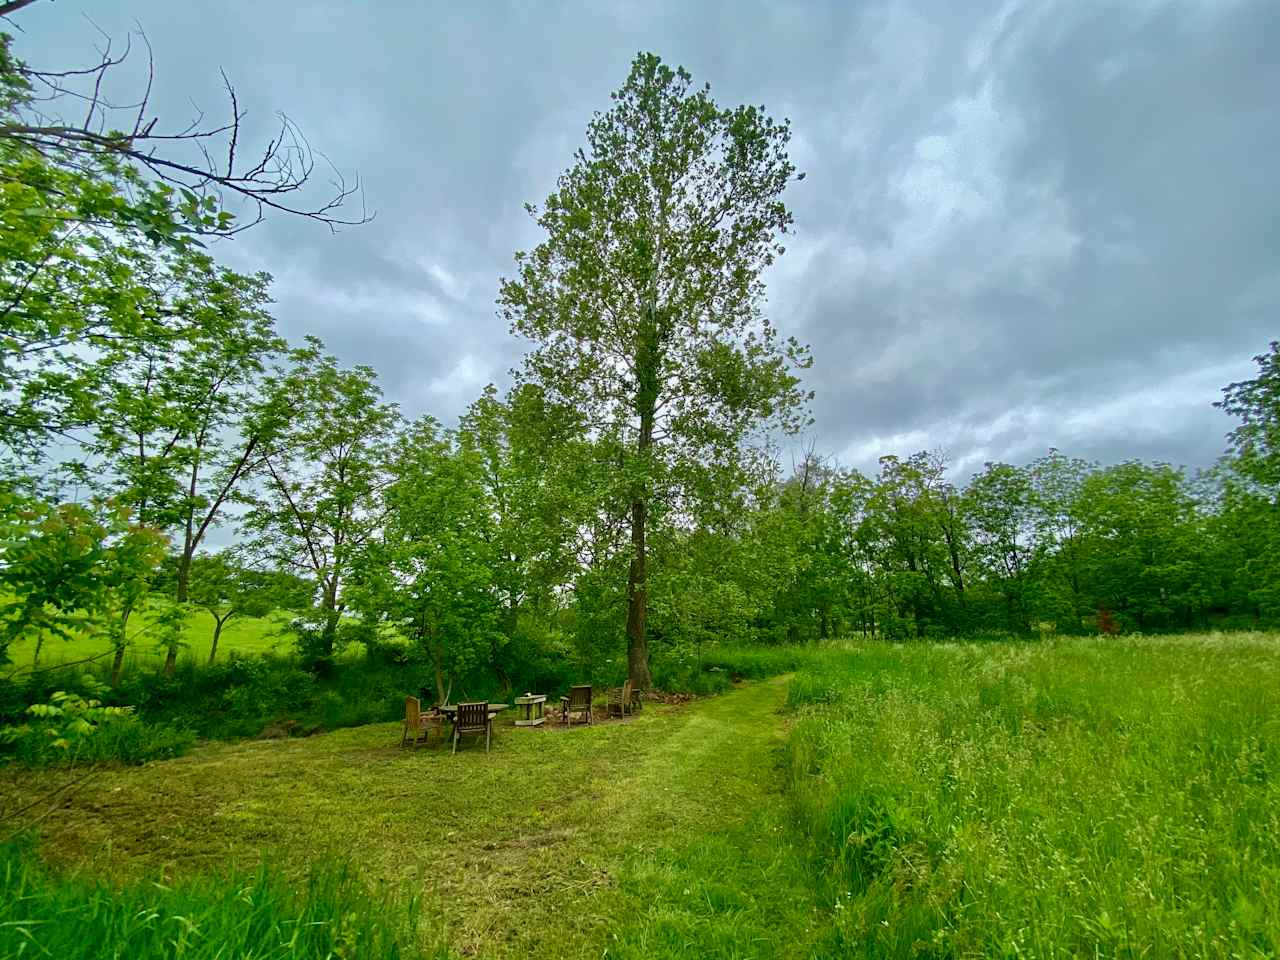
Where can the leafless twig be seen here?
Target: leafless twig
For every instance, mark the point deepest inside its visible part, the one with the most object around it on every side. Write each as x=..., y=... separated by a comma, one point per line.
x=287, y=164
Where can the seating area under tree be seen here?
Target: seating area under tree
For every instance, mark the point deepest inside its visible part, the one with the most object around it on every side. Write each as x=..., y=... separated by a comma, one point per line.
x=426, y=727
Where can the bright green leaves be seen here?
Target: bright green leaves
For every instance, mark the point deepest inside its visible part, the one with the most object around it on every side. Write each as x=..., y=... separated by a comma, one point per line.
x=644, y=300
x=432, y=574
x=68, y=568
x=175, y=400
x=1256, y=441
x=327, y=442
x=67, y=720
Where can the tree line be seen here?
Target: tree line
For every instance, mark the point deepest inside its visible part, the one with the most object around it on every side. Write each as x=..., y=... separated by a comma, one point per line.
x=623, y=499
x=1058, y=545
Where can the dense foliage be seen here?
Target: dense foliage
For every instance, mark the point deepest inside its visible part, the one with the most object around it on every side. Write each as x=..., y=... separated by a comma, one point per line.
x=1054, y=546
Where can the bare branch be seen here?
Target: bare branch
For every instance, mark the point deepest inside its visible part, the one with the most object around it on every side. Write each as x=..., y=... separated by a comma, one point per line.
x=13, y=6
x=286, y=166
x=235, y=129
x=146, y=95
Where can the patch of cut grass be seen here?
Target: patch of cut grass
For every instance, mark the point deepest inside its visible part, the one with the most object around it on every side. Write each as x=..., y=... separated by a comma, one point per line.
x=663, y=835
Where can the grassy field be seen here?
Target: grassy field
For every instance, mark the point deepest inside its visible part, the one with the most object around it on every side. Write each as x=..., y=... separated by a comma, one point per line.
x=664, y=835
x=241, y=635
x=1112, y=798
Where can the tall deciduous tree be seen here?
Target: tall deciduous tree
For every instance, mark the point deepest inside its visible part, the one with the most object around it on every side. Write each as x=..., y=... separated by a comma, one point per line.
x=525, y=457
x=998, y=503
x=431, y=573
x=645, y=299
x=1056, y=484
x=324, y=472
x=174, y=422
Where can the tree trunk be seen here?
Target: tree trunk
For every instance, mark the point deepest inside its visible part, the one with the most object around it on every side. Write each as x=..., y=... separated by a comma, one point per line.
x=170, y=660
x=442, y=694
x=184, y=575
x=646, y=367
x=217, y=632
x=117, y=662
x=637, y=639
x=117, y=666
x=329, y=635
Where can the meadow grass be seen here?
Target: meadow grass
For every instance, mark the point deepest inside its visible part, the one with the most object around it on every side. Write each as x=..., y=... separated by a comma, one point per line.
x=260, y=915
x=1107, y=797
x=243, y=635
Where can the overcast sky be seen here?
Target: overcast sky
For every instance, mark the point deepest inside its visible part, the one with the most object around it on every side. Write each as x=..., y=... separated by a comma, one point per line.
x=1023, y=225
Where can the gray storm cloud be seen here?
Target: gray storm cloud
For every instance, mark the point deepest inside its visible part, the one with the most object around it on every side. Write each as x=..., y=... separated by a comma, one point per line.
x=1023, y=224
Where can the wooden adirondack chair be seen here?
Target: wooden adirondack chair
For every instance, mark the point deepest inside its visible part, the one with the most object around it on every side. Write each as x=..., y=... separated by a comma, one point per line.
x=578, y=701
x=420, y=724
x=620, y=701
x=473, y=718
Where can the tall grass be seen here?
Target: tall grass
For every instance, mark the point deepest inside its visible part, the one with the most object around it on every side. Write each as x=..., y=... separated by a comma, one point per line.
x=331, y=914
x=1104, y=797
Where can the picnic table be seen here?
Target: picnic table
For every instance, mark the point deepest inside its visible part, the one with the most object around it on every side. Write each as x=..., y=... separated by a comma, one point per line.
x=469, y=722
x=450, y=710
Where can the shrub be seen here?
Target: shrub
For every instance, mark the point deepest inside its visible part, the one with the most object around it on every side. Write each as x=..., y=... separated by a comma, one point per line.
x=74, y=726
x=121, y=739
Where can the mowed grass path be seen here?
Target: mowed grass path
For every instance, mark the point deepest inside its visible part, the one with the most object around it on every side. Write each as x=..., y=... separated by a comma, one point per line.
x=665, y=835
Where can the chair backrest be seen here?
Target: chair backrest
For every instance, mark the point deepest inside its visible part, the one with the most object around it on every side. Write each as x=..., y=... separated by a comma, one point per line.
x=580, y=697
x=412, y=710
x=473, y=716
x=620, y=696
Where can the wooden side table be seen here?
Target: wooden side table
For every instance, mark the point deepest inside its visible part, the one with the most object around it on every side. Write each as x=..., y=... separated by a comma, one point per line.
x=530, y=707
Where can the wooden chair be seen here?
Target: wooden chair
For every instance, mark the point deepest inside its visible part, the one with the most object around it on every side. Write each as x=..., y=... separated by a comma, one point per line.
x=578, y=701
x=419, y=725
x=473, y=718
x=620, y=701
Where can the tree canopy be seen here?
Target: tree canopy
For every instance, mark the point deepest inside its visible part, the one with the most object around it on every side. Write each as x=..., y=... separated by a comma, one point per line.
x=644, y=301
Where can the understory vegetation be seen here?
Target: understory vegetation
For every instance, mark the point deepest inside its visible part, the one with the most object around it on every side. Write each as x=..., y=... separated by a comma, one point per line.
x=273, y=696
